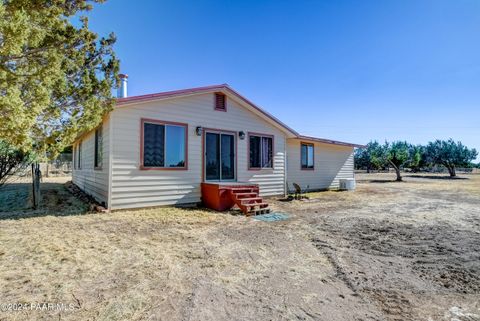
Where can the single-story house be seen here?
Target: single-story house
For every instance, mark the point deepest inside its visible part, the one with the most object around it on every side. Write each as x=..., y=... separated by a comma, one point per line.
x=158, y=149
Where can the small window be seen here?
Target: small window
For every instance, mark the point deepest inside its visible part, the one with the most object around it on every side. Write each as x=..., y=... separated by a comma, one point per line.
x=164, y=145
x=261, y=151
x=307, y=158
x=79, y=154
x=98, y=147
x=220, y=102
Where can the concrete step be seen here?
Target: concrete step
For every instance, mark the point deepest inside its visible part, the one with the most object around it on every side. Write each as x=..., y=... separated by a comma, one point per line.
x=253, y=205
x=260, y=211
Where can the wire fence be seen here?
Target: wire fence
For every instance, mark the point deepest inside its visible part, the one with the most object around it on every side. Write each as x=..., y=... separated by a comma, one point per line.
x=62, y=166
x=59, y=167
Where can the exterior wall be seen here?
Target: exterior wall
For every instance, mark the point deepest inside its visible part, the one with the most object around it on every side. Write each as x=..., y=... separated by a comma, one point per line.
x=93, y=181
x=133, y=187
x=331, y=163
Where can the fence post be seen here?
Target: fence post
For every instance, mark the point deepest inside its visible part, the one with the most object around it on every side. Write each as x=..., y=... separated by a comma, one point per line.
x=34, y=201
x=36, y=174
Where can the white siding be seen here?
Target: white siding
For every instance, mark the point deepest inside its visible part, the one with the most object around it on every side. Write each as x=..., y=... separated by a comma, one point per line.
x=132, y=187
x=331, y=163
x=93, y=181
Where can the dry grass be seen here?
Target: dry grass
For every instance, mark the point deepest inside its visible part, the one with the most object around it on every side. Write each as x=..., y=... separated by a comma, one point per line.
x=194, y=264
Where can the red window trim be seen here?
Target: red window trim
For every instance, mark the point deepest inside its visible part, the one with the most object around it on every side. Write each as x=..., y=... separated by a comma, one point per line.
x=306, y=168
x=219, y=131
x=162, y=122
x=248, y=150
x=215, y=101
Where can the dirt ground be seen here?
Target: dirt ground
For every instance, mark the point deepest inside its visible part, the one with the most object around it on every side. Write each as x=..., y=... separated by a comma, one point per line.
x=388, y=251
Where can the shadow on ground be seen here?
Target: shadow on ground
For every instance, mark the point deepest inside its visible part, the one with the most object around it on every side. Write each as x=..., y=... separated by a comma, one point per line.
x=436, y=177
x=379, y=180
x=55, y=199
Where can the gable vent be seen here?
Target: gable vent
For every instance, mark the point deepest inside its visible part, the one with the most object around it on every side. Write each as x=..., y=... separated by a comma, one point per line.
x=220, y=101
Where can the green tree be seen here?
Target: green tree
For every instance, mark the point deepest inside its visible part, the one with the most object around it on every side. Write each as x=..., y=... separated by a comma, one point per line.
x=55, y=77
x=416, y=157
x=369, y=157
x=396, y=155
x=12, y=160
x=450, y=154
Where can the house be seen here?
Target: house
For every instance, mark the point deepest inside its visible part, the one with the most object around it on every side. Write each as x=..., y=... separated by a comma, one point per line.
x=158, y=149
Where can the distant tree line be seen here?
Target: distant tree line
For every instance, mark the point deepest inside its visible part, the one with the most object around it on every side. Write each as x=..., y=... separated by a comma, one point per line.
x=400, y=155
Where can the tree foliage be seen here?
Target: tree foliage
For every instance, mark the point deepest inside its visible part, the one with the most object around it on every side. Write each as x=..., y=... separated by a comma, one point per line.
x=400, y=154
x=55, y=77
x=396, y=154
x=450, y=154
x=12, y=160
x=369, y=157
x=416, y=158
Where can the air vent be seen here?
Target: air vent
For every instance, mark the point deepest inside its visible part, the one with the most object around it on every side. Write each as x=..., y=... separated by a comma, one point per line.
x=220, y=102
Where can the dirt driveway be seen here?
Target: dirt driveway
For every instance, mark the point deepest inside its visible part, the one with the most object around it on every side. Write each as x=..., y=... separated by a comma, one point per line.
x=388, y=251
x=409, y=250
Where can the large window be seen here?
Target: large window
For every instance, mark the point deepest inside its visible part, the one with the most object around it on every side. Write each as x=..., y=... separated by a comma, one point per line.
x=261, y=151
x=164, y=145
x=98, y=147
x=307, y=158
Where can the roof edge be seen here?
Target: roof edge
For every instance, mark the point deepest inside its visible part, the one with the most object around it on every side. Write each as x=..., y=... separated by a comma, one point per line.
x=225, y=87
x=329, y=141
x=264, y=112
x=165, y=94
x=222, y=87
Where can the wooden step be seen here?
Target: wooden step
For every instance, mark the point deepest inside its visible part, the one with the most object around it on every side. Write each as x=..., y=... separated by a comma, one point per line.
x=248, y=201
x=253, y=205
x=236, y=190
x=245, y=195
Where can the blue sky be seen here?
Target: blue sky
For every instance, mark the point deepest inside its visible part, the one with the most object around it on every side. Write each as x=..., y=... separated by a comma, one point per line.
x=346, y=70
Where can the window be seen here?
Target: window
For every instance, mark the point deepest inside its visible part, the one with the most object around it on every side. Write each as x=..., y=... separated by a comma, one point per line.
x=98, y=147
x=74, y=156
x=220, y=102
x=79, y=154
x=307, y=155
x=164, y=145
x=261, y=151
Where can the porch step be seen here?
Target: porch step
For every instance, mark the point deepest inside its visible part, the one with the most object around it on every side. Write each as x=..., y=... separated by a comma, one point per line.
x=238, y=190
x=245, y=195
x=253, y=205
x=248, y=201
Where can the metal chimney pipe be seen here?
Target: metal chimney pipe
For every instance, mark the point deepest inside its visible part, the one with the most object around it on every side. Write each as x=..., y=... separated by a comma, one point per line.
x=122, y=90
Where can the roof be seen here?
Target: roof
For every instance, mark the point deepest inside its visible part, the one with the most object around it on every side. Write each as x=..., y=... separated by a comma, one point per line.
x=200, y=90
x=228, y=89
x=328, y=141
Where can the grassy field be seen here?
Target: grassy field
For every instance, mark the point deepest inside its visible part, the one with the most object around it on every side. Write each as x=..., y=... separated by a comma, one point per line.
x=388, y=251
